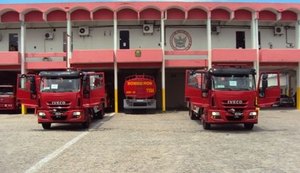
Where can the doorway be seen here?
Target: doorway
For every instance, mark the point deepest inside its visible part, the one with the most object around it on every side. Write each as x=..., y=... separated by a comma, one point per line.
x=240, y=40
x=124, y=39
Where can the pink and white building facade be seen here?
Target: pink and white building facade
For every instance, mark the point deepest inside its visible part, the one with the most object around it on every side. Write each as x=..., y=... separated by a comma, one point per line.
x=158, y=38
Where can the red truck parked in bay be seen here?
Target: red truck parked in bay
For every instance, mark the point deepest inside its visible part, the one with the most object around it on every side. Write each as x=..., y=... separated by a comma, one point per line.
x=8, y=100
x=140, y=91
x=67, y=96
x=224, y=95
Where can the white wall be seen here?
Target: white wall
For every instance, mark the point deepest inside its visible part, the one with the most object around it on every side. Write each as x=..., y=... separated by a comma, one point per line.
x=268, y=38
x=5, y=38
x=99, y=38
x=102, y=38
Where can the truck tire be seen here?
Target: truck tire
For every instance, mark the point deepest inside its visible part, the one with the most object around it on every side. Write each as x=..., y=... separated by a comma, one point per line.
x=206, y=126
x=248, y=126
x=100, y=114
x=192, y=115
x=46, y=126
x=86, y=124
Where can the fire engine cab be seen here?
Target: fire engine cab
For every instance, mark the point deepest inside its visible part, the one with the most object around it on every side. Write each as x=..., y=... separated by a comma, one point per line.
x=67, y=96
x=226, y=95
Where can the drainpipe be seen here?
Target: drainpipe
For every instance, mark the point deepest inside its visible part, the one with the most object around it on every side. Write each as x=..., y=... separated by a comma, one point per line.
x=163, y=70
x=115, y=63
x=208, y=33
x=23, y=60
x=69, y=37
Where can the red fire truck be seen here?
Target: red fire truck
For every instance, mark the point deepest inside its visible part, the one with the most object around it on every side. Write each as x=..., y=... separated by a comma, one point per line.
x=139, y=92
x=68, y=96
x=229, y=95
x=8, y=99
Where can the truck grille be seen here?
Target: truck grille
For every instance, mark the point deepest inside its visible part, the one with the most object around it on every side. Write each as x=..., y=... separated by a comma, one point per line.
x=58, y=104
x=234, y=103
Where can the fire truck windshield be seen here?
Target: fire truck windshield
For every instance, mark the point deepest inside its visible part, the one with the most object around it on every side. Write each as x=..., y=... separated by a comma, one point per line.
x=6, y=91
x=233, y=82
x=60, y=84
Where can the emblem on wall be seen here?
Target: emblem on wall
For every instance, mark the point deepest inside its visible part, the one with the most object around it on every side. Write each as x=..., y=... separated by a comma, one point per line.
x=180, y=40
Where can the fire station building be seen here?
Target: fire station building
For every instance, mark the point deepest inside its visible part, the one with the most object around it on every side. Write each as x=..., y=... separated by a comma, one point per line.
x=161, y=39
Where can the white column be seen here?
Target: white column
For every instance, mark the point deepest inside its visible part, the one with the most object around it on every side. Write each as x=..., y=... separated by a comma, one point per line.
x=257, y=48
x=297, y=26
x=22, y=51
x=208, y=33
x=115, y=63
x=253, y=31
x=69, y=39
x=163, y=70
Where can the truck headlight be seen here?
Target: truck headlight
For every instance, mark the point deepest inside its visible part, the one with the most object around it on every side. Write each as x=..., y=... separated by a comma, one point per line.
x=76, y=114
x=215, y=113
x=252, y=115
x=41, y=114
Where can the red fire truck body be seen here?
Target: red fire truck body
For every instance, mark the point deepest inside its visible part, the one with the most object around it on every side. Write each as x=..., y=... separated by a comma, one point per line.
x=139, y=92
x=8, y=99
x=64, y=96
x=229, y=95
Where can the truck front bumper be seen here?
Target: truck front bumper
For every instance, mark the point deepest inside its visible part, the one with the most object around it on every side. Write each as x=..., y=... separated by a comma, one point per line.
x=224, y=117
x=139, y=103
x=69, y=116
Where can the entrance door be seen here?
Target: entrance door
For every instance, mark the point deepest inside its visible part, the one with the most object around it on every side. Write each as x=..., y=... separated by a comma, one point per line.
x=240, y=39
x=124, y=39
x=13, y=42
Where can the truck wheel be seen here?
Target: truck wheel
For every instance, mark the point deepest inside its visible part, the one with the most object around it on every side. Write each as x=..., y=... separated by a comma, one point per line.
x=86, y=124
x=100, y=114
x=192, y=115
x=206, y=126
x=46, y=125
x=248, y=126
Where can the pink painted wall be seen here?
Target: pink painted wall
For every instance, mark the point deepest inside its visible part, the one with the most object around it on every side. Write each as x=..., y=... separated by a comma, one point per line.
x=175, y=14
x=267, y=15
x=220, y=14
x=279, y=55
x=127, y=14
x=240, y=55
x=92, y=56
x=9, y=58
x=80, y=15
x=103, y=14
x=288, y=16
x=10, y=16
x=34, y=16
x=57, y=16
x=147, y=55
x=242, y=15
x=150, y=14
x=197, y=14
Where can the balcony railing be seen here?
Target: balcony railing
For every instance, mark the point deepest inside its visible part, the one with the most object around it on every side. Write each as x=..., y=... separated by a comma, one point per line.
x=92, y=56
x=9, y=58
x=279, y=55
x=234, y=55
x=139, y=56
x=46, y=60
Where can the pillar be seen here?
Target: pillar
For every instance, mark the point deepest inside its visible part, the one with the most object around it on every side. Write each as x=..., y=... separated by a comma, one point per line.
x=209, y=49
x=163, y=67
x=69, y=41
x=115, y=64
x=23, y=60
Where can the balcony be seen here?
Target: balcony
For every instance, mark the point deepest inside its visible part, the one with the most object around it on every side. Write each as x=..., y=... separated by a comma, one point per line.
x=186, y=58
x=92, y=57
x=45, y=60
x=9, y=58
x=280, y=55
x=233, y=55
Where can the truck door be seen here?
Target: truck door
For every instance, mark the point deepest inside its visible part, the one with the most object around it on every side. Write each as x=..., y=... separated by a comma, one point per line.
x=195, y=84
x=268, y=89
x=27, y=90
x=96, y=89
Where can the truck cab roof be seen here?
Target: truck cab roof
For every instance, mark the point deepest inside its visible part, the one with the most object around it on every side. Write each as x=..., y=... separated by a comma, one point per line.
x=60, y=74
x=232, y=71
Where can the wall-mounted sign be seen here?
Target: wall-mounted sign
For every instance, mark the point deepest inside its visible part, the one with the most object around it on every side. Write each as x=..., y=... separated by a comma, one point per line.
x=181, y=40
